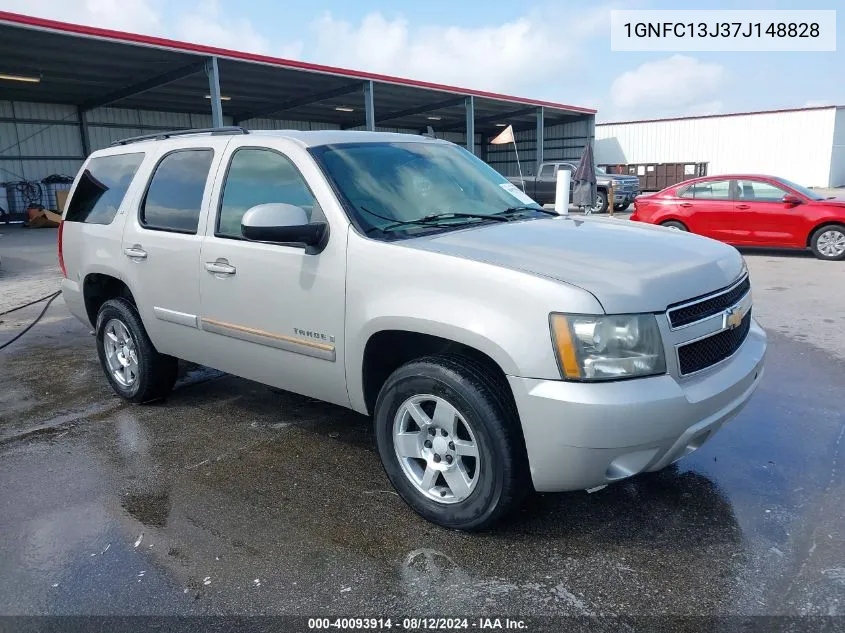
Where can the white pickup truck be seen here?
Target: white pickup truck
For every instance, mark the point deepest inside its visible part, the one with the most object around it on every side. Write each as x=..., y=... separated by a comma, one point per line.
x=496, y=345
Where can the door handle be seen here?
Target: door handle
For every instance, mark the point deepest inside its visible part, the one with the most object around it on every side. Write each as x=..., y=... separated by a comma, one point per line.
x=685, y=204
x=220, y=267
x=135, y=252
x=743, y=206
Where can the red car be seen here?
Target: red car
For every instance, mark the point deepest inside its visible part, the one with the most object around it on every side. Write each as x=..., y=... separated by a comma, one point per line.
x=750, y=211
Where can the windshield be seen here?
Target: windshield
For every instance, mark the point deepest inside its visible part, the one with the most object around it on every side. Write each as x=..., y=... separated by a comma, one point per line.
x=600, y=170
x=809, y=193
x=383, y=184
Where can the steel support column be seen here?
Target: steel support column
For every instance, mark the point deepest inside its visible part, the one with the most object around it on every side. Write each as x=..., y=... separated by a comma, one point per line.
x=369, y=107
x=541, y=137
x=214, y=92
x=470, y=108
x=83, y=132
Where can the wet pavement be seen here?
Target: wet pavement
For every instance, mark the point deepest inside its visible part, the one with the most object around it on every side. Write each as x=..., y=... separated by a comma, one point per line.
x=231, y=498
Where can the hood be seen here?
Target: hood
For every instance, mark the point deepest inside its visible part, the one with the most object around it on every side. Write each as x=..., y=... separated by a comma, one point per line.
x=628, y=267
x=618, y=177
x=832, y=202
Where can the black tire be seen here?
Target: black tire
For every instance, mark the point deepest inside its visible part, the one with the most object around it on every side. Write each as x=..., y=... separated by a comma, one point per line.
x=601, y=202
x=156, y=372
x=481, y=400
x=621, y=207
x=836, y=229
x=674, y=224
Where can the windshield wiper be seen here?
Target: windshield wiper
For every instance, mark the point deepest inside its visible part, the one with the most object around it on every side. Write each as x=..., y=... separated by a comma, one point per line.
x=431, y=220
x=512, y=210
x=435, y=219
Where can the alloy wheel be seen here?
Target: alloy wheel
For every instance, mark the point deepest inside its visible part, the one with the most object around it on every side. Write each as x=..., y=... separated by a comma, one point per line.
x=121, y=353
x=831, y=243
x=436, y=448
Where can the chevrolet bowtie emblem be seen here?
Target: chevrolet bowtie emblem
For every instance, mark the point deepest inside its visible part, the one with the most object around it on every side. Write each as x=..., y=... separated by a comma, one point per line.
x=733, y=317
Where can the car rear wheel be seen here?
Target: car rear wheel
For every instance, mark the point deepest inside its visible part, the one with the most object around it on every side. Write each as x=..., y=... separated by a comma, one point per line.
x=450, y=442
x=133, y=367
x=828, y=242
x=674, y=224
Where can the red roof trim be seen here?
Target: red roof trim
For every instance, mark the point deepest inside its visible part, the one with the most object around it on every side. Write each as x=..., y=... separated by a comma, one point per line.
x=718, y=116
x=149, y=40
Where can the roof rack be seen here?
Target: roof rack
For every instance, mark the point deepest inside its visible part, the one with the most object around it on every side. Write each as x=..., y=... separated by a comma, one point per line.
x=160, y=136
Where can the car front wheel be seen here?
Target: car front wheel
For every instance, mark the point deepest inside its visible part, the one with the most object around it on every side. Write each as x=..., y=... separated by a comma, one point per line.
x=828, y=242
x=601, y=203
x=450, y=443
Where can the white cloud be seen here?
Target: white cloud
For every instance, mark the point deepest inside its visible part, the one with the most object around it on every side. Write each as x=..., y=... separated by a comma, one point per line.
x=533, y=54
x=135, y=15
x=534, y=49
x=205, y=23
x=676, y=85
x=530, y=54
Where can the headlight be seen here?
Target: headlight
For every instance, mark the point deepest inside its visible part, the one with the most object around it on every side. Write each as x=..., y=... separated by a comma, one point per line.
x=607, y=347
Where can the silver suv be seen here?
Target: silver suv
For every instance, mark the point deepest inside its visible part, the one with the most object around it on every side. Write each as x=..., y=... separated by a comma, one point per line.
x=496, y=345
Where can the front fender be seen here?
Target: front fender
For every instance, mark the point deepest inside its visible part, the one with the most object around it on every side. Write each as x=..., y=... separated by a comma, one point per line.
x=500, y=312
x=475, y=339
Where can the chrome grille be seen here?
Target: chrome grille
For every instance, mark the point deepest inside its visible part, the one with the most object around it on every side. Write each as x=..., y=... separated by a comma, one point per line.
x=708, y=351
x=703, y=307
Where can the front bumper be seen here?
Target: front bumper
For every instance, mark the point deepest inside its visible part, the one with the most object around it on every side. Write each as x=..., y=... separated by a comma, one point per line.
x=625, y=195
x=584, y=435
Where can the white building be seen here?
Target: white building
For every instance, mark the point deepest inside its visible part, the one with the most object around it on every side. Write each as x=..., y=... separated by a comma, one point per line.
x=805, y=145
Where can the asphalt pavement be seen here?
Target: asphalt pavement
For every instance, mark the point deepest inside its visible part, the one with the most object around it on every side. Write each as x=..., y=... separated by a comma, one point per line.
x=232, y=498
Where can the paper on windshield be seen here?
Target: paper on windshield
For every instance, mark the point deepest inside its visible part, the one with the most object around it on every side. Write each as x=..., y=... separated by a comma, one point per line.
x=516, y=192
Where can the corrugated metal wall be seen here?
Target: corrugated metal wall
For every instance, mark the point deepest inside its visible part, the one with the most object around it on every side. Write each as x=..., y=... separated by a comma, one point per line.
x=280, y=124
x=39, y=139
x=837, y=156
x=106, y=125
x=795, y=145
x=42, y=139
x=564, y=141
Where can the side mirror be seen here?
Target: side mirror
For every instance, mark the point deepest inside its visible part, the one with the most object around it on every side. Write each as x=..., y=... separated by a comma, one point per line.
x=791, y=200
x=281, y=223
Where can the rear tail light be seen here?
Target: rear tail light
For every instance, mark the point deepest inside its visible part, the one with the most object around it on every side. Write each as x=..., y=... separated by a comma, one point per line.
x=61, y=255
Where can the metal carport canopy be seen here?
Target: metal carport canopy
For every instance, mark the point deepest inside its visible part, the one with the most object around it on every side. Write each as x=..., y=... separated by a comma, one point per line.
x=92, y=67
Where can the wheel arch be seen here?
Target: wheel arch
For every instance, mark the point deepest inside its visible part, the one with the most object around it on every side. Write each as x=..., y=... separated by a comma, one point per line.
x=821, y=225
x=392, y=345
x=99, y=287
x=671, y=218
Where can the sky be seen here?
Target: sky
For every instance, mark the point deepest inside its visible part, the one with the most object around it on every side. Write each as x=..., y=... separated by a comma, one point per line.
x=552, y=50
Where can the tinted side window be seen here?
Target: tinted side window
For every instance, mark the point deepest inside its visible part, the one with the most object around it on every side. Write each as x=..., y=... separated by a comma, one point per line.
x=102, y=187
x=757, y=191
x=710, y=190
x=174, y=196
x=547, y=172
x=260, y=176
